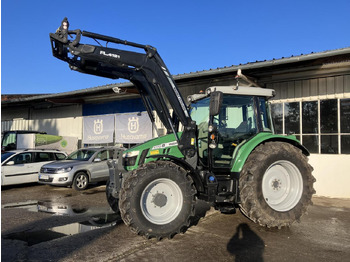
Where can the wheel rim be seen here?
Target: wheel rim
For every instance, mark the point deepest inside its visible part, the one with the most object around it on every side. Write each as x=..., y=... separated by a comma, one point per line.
x=282, y=186
x=81, y=181
x=161, y=201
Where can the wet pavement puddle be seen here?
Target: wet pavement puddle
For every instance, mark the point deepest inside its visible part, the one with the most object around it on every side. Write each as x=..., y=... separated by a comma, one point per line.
x=55, y=208
x=98, y=218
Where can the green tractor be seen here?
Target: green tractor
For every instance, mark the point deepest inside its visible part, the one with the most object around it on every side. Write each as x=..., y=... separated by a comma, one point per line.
x=220, y=147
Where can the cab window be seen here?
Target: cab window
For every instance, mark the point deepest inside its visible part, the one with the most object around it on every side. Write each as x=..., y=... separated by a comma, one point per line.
x=200, y=113
x=265, y=115
x=235, y=123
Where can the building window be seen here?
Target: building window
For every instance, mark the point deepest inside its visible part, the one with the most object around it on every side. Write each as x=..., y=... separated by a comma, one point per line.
x=310, y=117
x=345, y=144
x=345, y=115
x=277, y=117
x=292, y=118
x=311, y=143
x=310, y=125
x=323, y=126
x=345, y=125
x=329, y=116
x=329, y=126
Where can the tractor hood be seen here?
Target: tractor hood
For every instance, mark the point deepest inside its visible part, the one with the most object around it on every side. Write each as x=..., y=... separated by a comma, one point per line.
x=148, y=151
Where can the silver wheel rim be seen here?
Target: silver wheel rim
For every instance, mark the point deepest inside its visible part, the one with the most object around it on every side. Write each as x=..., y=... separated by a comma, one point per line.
x=81, y=181
x=282, y=186
x=161, y=201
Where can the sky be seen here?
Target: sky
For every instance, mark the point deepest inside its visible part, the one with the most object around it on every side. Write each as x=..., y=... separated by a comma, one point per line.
x=189, y=35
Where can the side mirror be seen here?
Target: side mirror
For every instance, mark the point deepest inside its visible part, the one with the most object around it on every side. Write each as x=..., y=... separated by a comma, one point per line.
x=97, y=160
x=215, y=103
x=10, y=163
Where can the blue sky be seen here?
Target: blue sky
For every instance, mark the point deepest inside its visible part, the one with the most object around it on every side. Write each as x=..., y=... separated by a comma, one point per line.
x=189, y=35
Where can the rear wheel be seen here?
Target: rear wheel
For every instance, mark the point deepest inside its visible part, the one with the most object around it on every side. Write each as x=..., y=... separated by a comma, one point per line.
x=80, y=181
x=158, y=200
x=276, y=185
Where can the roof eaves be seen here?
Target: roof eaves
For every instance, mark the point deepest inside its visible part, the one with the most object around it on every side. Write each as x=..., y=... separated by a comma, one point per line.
x=266, y=63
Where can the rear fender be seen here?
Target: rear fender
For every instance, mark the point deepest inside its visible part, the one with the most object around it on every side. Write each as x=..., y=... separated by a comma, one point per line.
x=243, y=151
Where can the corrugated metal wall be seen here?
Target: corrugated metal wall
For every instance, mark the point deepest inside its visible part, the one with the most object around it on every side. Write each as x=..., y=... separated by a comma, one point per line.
x=70, y=126
x=325, y=86
x=42, y=113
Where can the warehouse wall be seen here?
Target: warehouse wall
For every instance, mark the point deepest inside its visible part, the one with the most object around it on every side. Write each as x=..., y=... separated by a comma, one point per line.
x=57, y=112
x=332, y=175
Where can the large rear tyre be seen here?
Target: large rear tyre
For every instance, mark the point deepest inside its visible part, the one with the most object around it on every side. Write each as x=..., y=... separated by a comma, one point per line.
x=158, y=200
x=276, y=185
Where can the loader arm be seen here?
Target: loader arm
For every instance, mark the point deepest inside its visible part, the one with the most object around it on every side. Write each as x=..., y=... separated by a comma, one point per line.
x=146, y=71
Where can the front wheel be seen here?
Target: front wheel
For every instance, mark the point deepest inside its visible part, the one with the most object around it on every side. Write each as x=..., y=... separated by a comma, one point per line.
x=158, y=200
x=276, y=185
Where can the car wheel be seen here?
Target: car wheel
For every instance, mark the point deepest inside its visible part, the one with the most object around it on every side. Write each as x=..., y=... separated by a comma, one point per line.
x=80, y=181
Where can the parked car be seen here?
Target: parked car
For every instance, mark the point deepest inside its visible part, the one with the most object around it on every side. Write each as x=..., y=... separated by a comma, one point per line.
x=23, y=166
x=82, y=167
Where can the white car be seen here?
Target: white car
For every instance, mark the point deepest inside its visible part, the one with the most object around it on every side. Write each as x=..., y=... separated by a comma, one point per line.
x=23, y=166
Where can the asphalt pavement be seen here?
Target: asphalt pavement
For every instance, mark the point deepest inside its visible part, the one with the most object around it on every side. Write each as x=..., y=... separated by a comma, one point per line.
x=44, y=223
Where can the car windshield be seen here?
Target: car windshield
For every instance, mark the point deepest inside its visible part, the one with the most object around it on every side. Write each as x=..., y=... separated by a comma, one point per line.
x=6, y=155
x=81, y=155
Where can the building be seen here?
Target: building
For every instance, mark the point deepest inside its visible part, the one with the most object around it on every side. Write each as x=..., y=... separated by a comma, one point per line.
x=312, y=101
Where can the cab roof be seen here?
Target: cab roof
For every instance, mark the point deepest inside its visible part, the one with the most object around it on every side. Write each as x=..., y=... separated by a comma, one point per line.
x=235, y=90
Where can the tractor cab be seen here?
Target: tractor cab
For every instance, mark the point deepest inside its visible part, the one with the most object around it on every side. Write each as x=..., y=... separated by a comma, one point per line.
x=226, y=117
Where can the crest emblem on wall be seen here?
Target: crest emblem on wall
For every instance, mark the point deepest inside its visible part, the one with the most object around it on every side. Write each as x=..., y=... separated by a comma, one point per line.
x=98, y=126
x=133, y=124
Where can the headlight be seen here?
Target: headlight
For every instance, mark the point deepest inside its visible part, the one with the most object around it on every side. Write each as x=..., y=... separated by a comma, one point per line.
x=131, y=154
x=129, y=158
x=63, y=170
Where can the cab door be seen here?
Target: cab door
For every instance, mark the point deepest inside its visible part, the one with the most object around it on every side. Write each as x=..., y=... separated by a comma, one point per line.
x=235, y=124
